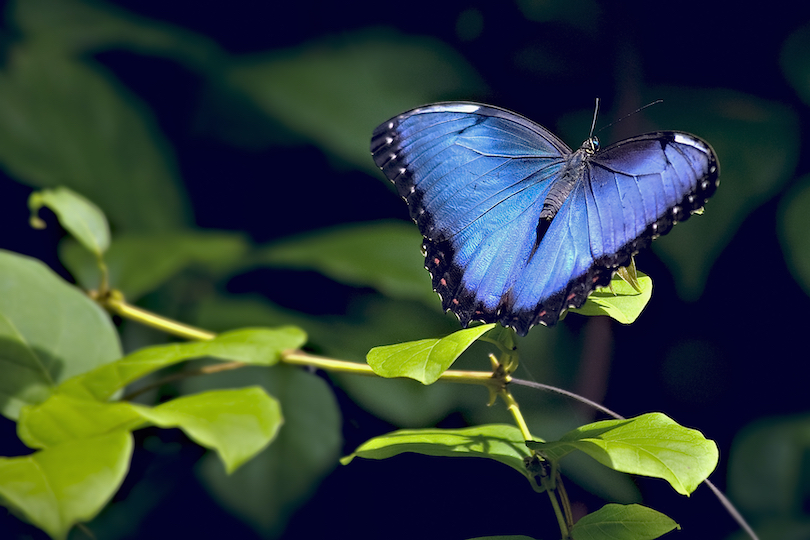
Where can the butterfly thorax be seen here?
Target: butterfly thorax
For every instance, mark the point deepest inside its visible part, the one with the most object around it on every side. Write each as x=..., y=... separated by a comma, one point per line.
x=572, y=170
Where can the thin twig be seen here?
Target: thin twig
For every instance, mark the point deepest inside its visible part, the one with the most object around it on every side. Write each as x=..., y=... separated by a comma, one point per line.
x=735, y=514
x=204, y=370
x=572, y=395
x=732, y=510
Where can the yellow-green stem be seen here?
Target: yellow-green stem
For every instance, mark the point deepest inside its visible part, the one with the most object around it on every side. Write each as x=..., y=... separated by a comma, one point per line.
x=115, y=303
x=298, y=358
x=104, y=284
x=513, y=408
x=342, y=366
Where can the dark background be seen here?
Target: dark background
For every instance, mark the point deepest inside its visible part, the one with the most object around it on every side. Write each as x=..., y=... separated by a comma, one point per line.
x=730, y=357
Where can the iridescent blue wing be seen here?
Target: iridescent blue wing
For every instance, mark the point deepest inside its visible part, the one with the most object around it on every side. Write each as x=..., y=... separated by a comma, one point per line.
x=517, y=227
x=475, y=178
x=627, y=195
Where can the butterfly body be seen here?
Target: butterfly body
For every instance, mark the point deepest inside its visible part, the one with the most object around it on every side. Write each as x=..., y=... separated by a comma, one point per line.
x=518, y=227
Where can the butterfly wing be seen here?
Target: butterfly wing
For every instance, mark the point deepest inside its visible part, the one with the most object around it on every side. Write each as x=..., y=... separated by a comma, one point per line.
x=628, y=194
x=475, y=178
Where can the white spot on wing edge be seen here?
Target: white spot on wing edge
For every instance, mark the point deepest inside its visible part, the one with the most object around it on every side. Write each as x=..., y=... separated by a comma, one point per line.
x=450, y=107
x=688, y=140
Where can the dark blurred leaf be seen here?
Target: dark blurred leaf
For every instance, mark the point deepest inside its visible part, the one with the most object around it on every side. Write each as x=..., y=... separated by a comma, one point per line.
x=793, y=228
x=383, y=255
x=62, y=123
x=49, y=332
x=768, y=473
x=584, y=14
x=337, y=91
x=268, y=489
x=140, y=263
x=795, y=60
x=778, y=528
x=73, y=27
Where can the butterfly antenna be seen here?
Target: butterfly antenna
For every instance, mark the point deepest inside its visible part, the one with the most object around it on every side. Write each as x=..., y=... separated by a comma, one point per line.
x=656, y=102
x=593, y=123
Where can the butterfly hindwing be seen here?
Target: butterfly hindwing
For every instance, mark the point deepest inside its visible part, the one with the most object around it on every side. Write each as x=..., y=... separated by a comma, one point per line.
x=517, y=227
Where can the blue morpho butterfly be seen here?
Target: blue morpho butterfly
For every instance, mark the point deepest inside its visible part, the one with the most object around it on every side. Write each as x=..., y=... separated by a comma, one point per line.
x=518, y=228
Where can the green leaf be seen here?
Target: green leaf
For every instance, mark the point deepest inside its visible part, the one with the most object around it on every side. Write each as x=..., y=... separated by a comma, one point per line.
x=383, y=255
x=501, y=442
x=266, y=490
x=139, y=263
x=424, y=360
x=236, y=423
x=80, y=217
x=620, y=301
x=335, y=91
x=67, y=484
x=650, y=445
x=261, y=346
x=64, y=124
x=623, y=522
x=62, y=418
x=49, y=331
